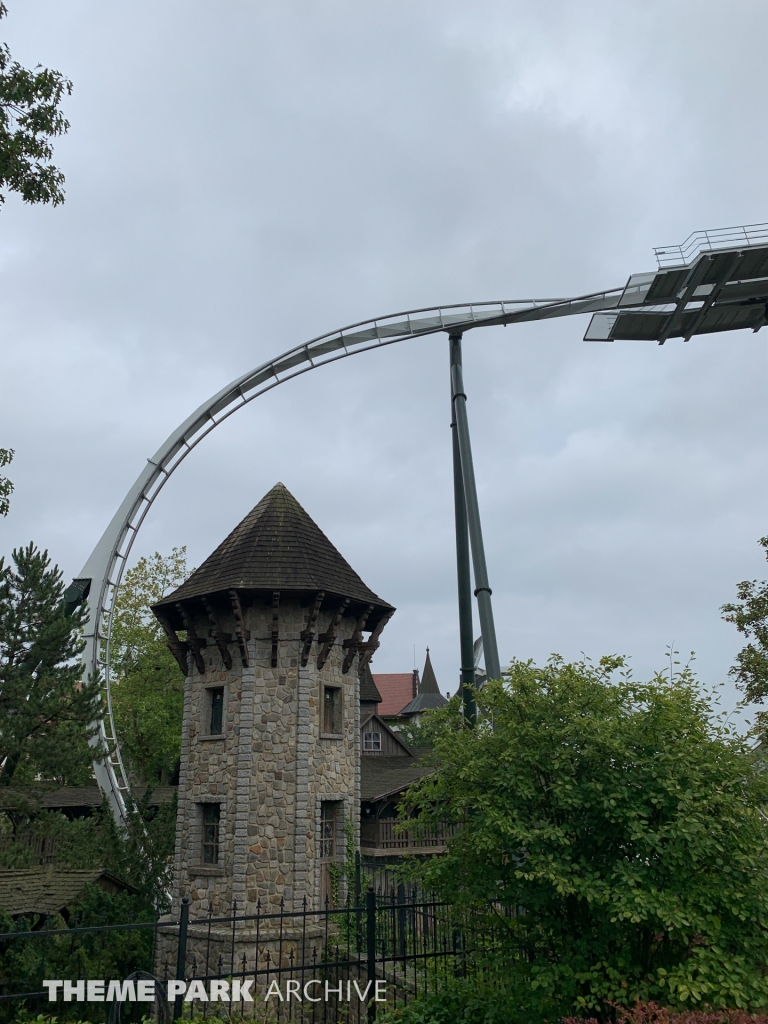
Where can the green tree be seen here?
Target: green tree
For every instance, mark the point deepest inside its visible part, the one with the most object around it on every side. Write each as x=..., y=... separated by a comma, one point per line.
x=420, y=735
x=45, y=714
x=30, y=118
x=749, y=613
x=6, y=487
x=24, y=963
x=140, y=852
x=45, y=710
x=611, y=831
x=148, y=687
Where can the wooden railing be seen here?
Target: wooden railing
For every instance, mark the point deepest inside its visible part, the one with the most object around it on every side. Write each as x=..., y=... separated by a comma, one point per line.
x=382, y=835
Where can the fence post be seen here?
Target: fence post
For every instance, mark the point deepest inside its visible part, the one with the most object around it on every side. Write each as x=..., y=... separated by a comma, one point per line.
x=358, y=901
x=370, y=914
x=181, y=956
x=401, y=931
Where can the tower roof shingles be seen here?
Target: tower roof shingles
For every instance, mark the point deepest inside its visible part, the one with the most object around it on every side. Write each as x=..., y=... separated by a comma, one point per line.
x=277, y=546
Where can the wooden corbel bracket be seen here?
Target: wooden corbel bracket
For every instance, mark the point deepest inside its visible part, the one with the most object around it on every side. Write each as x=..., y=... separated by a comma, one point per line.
x=371, y=645
x=327, y=638
x=195, y=642
x=353, y=644
x=243, y=634
x=275, y=631
x=308, y=633
x=178, y=648
x=221, y=638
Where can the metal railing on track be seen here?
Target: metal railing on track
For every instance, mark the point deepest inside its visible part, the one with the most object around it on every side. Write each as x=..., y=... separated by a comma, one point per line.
x=710, y=241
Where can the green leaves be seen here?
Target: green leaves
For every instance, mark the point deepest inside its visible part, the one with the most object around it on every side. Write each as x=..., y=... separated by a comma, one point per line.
x=46, y=711
x=616, y=829
x=148, y=688
x=29, y=119
x=750, y=616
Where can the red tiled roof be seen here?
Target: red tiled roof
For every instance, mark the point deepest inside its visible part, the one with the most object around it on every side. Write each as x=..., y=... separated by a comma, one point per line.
x=396, y=689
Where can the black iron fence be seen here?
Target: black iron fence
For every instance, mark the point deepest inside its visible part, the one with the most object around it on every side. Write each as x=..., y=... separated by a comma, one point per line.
x=342, y=963
x=48, y=948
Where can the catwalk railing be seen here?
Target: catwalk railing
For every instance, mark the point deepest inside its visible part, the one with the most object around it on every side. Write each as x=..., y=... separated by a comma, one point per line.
x=702, y=241
x=341, y=963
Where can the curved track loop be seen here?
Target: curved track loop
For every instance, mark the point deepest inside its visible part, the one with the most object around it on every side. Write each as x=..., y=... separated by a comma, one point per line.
x=109, y=557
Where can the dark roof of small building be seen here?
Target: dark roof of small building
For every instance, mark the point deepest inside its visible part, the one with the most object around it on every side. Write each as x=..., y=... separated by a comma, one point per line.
x=368, y=689
x=382, y=777
x=397, y=689
x=276, y=547
x=50, y=890
x=429, y=695
x=424, y=702
x=54, y=798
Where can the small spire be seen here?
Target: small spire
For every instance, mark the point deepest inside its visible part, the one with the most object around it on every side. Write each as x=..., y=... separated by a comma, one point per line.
x=428, y=680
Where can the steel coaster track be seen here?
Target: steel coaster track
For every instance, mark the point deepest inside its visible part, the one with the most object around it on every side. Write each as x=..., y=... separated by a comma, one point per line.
x=108, y=560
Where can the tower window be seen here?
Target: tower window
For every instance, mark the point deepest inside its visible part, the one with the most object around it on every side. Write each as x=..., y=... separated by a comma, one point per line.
x=329, y=813
x=211, y=822
x=372, y=741
x=332, y=709
x=216, y=703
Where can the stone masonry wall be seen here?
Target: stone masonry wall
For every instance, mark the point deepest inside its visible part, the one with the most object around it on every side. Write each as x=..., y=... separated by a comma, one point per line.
x=269, y=770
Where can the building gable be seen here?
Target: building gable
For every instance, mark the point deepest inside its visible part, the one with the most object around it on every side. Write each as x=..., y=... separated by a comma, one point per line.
x=376, y=738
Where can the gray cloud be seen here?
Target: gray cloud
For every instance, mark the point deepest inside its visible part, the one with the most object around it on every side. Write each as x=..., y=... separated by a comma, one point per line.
x=245, y=176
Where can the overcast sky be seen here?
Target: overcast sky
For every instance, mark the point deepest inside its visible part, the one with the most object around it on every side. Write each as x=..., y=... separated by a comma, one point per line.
x=242, y=176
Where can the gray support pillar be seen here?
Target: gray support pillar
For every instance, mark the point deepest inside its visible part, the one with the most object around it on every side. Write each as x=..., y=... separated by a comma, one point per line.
x=304, y=884
x=242, y=803
x=355, y=808
x=463, y=577
x=482, y=588
x=184, y=805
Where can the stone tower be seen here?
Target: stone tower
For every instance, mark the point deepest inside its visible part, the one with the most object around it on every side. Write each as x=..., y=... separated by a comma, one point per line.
x=270, y=633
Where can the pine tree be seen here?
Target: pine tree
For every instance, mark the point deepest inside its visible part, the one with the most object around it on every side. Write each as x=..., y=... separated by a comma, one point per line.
x=45, y=710
x=6, y=487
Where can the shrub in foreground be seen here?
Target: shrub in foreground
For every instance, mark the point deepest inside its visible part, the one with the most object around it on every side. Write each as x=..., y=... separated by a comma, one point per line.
x=612, y=832
x=650, y=1013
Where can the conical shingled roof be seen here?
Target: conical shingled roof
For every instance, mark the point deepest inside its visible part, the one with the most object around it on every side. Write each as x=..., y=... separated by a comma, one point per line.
x=368, y=689
x=429, y=695
x=428, y=682
x=277, y=547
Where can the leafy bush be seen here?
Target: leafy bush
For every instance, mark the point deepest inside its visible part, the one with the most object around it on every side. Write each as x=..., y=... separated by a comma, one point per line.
x=467, y=1001
x=612, y=834
x=25, y=962
x=470, y=1002
x=650, y=1013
